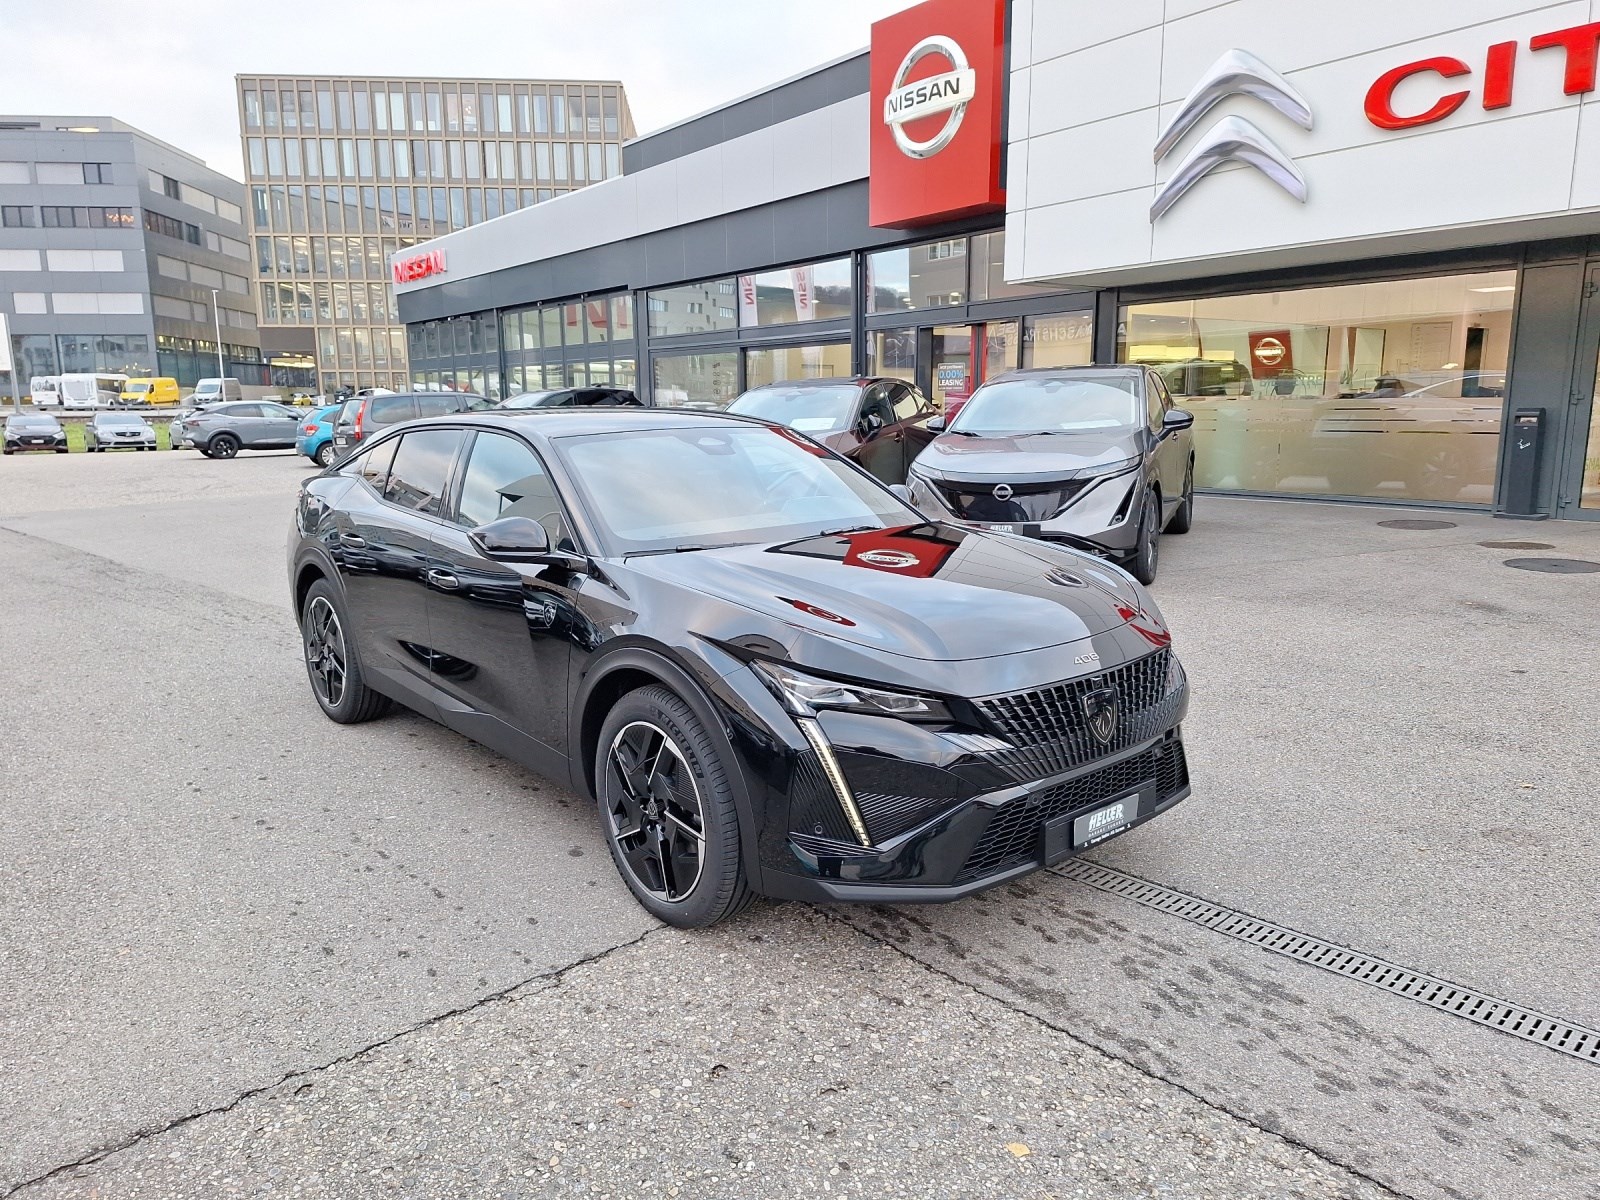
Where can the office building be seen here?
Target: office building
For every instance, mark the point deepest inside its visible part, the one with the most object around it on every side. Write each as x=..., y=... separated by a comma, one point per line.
x=111, y=246
x=343, y=173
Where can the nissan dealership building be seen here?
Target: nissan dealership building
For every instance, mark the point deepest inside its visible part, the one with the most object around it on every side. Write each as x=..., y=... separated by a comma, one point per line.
x=1366, y=254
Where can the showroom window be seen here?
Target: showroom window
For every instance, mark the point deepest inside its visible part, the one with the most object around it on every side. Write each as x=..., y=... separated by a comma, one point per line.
x=693, y=308
x=810, y=292
x=696, y=380
x=1390, y=390
x=1059, y=340
x=827, y=361
x=988, y=262
x=932, y=275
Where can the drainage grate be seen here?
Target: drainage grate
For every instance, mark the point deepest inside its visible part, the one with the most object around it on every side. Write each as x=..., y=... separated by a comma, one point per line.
x=1524, y=1023
x=1516, y=545
x=1554, y=566
x=1417, y=524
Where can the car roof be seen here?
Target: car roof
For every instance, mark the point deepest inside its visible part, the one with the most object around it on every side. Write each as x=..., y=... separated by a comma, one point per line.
x=1086, y=369
x=546, y=423
x=829, y=381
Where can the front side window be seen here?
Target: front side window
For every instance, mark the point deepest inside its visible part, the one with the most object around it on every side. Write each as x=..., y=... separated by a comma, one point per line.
x=421, y=470
x=674, y=489
x=1053, y=404
x=504, y=478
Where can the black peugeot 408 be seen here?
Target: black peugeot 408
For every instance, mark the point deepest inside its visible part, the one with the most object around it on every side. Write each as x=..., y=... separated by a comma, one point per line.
x=771, y=673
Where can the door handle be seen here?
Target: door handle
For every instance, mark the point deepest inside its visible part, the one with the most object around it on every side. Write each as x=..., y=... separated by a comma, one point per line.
x=353, y=540
x=443, y=580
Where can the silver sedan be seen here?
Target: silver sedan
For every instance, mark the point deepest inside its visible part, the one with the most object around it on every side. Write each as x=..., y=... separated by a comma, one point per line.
x=118, y=430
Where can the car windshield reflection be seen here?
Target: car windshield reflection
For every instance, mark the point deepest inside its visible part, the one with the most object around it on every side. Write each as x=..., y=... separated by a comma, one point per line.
x=808, y=409
x=1051, y=404
x=661, y=490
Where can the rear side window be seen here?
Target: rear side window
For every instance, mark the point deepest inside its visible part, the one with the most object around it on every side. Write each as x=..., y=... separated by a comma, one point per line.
x=421, y=470
x=372, y=467
x=441, y=405
x=390, y=410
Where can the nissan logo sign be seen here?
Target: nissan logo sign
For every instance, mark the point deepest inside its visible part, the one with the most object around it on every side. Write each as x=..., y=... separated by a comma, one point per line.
x=949, y=92
x=895, y=559
x=1270, y=352
x=1004, y=492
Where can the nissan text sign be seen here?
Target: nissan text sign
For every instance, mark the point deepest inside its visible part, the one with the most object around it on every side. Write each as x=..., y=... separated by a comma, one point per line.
x=419, y=266
x=938, y=79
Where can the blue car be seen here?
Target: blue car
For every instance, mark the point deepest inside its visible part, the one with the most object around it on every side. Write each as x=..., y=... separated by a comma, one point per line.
x=315, y=439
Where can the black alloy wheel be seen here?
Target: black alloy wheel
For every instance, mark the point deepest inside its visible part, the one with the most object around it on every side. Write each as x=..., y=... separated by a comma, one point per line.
x=223, y=445
x=330, y=662
x=1183, y=520
x=668, y=812
x=1147, y=558
x=325, y=455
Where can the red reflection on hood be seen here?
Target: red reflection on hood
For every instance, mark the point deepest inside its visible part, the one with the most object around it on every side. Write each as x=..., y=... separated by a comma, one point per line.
x=811, y=610
x=1151, y=633
x=804, y=443
x=901, y=551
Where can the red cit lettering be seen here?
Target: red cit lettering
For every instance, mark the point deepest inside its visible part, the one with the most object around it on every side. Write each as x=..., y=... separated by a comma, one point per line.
x=1380, y=99
x=1582, y=44
x=1499, y=75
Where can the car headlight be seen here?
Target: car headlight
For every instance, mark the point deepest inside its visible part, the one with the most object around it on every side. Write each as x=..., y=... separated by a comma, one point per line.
x=1115, y=468
x=804, y=694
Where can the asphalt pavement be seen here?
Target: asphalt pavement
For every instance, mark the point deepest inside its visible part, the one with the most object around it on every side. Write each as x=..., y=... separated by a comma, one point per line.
x=249, y=952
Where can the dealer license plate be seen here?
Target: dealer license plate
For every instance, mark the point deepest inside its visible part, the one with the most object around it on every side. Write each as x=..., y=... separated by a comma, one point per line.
x=1024, y=530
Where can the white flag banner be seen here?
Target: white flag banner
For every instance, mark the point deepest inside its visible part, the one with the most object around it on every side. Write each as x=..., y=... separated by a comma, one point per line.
x=748, y=309
x=803, y=280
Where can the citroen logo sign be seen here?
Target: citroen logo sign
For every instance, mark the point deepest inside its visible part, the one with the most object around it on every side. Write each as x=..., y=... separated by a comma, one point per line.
x=949, y=92
x=1232, y=139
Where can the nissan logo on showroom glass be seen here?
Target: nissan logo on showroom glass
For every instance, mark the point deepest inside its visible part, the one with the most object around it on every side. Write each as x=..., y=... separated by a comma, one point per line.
x=1270, y=352
x=949, y=92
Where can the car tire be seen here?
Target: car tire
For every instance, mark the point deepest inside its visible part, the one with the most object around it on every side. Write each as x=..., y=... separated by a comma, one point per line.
x=325, y=455
x=331, y=667
x=223, y=445
x=7, y=450
x=1183, y=520
x=59, y=450
x=1147, y=558
x=649, y=819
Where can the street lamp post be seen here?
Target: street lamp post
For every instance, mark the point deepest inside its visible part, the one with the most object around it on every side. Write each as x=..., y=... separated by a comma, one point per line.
x=222, y=372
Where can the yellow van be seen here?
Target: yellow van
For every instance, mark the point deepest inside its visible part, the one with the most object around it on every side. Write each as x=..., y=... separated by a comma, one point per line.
x=154, y=392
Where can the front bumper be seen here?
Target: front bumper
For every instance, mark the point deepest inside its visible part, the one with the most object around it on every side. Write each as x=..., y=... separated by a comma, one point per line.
x=949, y=814
x=1103, y=519
x=22, y=446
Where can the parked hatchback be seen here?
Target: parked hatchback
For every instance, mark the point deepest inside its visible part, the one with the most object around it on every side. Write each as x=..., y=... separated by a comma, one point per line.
x=222, y=430
x=315, y=439
x=1096, y=457
x=118, y=431
x=878, y=423
x=34, y=431
x=372, y=414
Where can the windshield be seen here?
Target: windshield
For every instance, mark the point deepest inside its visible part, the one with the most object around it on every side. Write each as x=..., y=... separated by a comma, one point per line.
x=108, y=420
x=136, y=388
x=32, y=422
x=665, y=489
x=535, y=399
x=1051, y=404
x=808, y=409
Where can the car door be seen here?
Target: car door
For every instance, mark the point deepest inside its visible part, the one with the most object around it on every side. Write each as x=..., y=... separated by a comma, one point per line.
x=1171, y=446
x=382, y=542
x=279, y=425
x=880, y=446
x=503, y=632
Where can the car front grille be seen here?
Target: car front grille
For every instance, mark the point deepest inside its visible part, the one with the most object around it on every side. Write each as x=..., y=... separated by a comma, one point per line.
x=1013, y=834
x=1027, y=502
x=1049, y=727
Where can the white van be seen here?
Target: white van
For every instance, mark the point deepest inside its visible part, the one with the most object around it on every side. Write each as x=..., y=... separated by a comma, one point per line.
x=92, y=391
x=45, y=391
x=213, y=391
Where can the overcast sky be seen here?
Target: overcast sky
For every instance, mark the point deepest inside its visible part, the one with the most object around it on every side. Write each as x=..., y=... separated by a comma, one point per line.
x=167, y=66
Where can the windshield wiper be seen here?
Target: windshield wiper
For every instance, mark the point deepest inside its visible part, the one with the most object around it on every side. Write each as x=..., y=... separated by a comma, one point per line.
x=683, y=549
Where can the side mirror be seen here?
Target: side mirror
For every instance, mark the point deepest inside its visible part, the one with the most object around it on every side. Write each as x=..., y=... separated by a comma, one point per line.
x=869, y=425
x=937, y=424
x=1177, y=419
x=512, y=539
x=902, y=493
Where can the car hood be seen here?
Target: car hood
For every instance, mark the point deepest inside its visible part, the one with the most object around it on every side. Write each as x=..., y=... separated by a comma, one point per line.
x=930, y=592
x=1031, y=458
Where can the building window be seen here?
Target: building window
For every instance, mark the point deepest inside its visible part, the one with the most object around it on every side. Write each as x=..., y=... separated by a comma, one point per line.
x=932, y=275
x=97, y=173
x=1059, y=340
x=829, y=361
x=811, y=292
x=1390, y=390
x=689, y=308
x=17, y=216
x=171, y=188
x=696, y=380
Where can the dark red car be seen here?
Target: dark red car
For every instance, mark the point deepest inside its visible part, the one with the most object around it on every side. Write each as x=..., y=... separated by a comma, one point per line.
x=878, y=423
